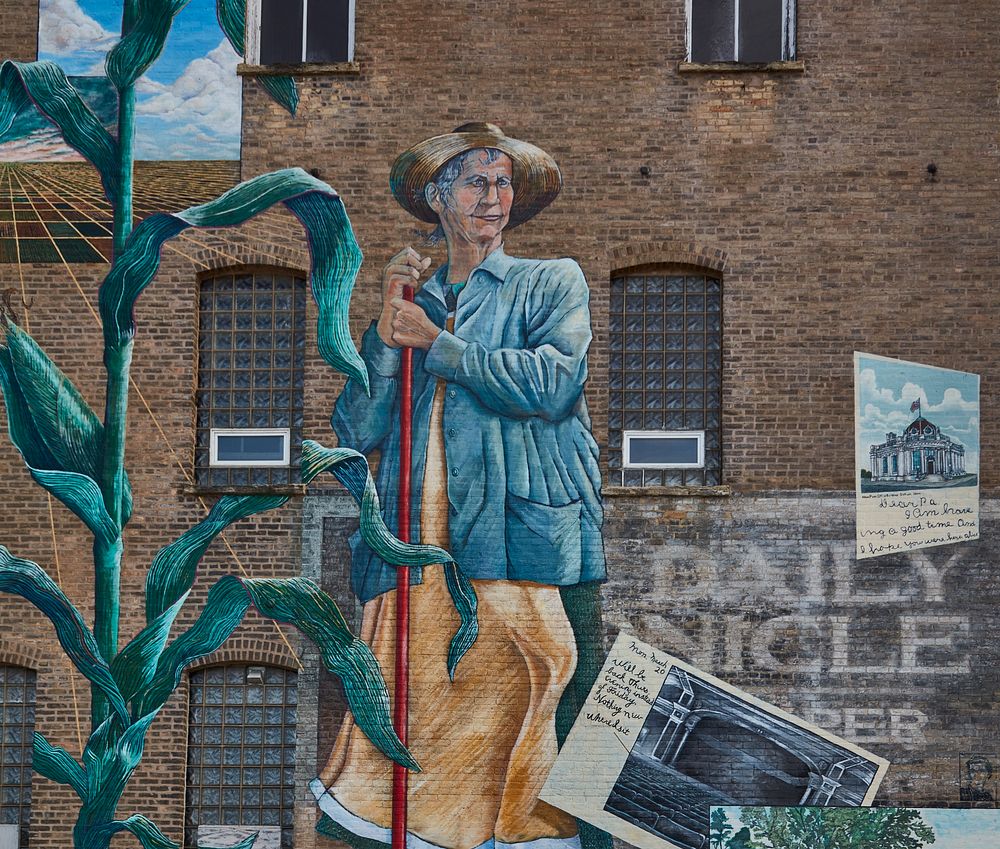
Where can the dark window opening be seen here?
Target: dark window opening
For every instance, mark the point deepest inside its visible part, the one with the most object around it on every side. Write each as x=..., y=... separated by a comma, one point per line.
x=745, y=31
x=295, y=31
x=241, y=749
x=17, y=727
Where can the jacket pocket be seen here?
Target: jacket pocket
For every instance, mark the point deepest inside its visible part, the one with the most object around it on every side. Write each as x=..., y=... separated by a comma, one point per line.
x=543, y=542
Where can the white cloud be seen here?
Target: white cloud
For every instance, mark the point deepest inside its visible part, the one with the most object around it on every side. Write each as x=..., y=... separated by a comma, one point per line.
x=197, y=116
x=64, y=29
x=205, y=95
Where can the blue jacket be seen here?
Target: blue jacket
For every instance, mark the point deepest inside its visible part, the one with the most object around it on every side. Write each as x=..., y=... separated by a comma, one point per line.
x=523, y=476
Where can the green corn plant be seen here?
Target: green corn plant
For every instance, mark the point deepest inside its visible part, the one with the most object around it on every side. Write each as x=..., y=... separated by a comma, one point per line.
x=79, y=458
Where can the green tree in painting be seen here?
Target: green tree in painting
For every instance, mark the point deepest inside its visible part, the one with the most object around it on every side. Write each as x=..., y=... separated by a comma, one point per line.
x=79, y=456
x=835, y=828
x=741, y=840
x=720, y=828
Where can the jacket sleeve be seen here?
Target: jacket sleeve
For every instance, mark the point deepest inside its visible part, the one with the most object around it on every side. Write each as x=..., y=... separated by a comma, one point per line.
x=362, y=422
x=546, y=377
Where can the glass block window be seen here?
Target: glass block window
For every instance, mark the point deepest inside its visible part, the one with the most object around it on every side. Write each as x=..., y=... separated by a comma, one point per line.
x=17, y=725
x=241, y=749
x=251, y=358
x=665, y=369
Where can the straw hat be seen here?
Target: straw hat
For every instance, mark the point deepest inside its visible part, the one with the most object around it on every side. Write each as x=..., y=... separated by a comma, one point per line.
x=536, y=176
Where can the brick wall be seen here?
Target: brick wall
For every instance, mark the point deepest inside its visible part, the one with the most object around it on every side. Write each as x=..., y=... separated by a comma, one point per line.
x=19, y=31
x=813, y=185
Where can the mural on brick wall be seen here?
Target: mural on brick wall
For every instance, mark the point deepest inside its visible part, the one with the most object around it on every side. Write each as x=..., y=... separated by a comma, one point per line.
x=479, y=553
x=852, y=828
x=917, y=455
x=490, y=352
x=664, y=741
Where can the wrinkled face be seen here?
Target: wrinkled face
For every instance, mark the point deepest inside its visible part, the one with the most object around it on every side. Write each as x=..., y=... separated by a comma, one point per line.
x=477, y=207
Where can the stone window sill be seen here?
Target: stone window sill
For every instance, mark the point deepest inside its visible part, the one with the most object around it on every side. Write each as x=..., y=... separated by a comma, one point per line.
x=305, y=69
x=295, y=489
x=793, y=66
x=667, y=491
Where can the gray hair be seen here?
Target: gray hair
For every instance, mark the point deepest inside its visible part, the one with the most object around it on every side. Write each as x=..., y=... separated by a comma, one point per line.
x=446, y=176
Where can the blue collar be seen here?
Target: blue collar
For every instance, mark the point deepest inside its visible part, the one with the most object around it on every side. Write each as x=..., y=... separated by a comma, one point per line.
x=497, y=265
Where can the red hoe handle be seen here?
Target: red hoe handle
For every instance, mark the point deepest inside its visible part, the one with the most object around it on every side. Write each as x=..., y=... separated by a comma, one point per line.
x=400, y=714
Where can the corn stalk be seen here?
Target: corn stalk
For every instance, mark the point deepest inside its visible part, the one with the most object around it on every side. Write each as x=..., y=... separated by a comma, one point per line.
x=80, y=459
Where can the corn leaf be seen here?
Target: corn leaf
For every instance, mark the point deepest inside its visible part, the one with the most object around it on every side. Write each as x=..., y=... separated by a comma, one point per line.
x=298, y=602
x=131, y=57
x=146, y=830
x=70, y=429
x=351, y=469
x=135, y=665
x=45, y=85
x=233, y=20
x=174, y=567
x=54, y=428
x=28, y=580
x=98, y=758
x=83, y=497
x=55, y=763
x=336, y=256
x=23, y=432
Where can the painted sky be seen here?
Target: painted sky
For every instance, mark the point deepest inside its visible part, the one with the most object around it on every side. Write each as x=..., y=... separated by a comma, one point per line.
x=954, y=828
x=188, y=104
x=887, y=388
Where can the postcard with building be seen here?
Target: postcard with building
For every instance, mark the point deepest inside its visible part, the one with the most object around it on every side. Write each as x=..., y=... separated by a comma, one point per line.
x=917, y=455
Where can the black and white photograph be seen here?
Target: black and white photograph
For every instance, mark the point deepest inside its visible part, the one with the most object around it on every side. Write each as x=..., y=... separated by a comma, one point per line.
x=701, y=746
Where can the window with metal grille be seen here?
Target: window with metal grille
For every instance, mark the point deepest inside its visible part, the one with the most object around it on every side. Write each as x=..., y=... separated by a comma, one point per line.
x=251, y=357
x=17, y=725
x=241, y=749
x=665, y=379
x=744, y=31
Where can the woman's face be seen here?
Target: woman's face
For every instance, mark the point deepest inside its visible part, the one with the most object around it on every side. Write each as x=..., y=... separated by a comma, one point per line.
x=477, y=207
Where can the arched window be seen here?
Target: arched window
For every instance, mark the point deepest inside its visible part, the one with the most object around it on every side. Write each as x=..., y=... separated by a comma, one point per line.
x=17, y=725
x=251, y=362
x=665, y=378
x=241, y=753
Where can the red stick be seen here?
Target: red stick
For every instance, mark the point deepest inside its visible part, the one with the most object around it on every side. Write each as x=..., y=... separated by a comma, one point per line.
x=400, y=714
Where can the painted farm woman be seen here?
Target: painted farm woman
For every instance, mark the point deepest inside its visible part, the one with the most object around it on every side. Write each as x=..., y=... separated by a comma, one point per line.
x=505, y=477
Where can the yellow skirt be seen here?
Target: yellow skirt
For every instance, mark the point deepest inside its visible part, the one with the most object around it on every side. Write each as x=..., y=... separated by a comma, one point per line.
x=485, y=743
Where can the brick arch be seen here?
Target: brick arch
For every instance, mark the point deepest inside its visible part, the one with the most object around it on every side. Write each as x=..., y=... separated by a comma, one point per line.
x=249, y=650
x=216, y=265
x=667, y=252
x=20, y=655
x=228, y=249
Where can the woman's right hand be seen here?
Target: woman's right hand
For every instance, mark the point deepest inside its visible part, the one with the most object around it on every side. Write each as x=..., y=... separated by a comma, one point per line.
x=404, y=269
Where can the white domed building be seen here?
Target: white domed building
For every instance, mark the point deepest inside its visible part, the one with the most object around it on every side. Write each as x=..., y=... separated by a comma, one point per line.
x=921, y=453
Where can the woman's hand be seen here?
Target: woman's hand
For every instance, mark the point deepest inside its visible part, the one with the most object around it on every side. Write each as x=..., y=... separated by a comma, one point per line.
x=404, y=269
x=411, y=327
